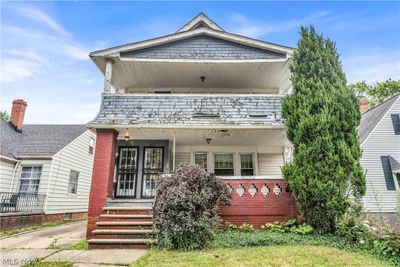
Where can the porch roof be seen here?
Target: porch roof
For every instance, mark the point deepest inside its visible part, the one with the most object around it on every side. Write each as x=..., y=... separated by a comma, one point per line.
x=160, y=110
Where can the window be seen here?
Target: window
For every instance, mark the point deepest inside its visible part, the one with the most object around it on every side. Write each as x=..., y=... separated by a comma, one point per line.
x=201, y=160
x=388, y=173
x=246, y=164
x=73, y=182
x=396, y=123
x=223, y=164
x=30, y=179
x=91, y=146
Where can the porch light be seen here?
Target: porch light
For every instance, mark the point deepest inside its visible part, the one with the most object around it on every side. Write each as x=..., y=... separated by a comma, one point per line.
x=202, y=78
x=208, y=140
x=126, y=136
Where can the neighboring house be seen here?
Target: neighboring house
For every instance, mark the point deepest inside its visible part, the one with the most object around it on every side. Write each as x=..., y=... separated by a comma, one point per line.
x=379, y=134
x=45, y=170
x=200, y=95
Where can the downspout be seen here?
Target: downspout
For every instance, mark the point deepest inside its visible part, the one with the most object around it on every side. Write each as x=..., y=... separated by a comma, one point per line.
x=13, y=175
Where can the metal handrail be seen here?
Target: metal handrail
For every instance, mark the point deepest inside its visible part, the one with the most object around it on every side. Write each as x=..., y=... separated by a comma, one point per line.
x=21, y=202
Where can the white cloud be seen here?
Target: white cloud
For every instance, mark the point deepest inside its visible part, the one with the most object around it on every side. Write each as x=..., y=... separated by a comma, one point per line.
x=39, y=16
x=13, y=69
x=247, y=27
x=372, y=67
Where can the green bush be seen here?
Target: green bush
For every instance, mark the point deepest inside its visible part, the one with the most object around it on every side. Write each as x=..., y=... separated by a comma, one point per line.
x=289, y=226
x=303, y=229
x=186, y=208
x=388, y=247
x=245, y=227
x=354, y=230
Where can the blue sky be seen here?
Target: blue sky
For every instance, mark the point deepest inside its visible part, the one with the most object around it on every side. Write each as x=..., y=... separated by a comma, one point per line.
x=45, y=45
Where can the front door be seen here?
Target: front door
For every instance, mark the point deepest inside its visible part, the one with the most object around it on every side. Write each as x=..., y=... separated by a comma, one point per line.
x=153, y=166
x=127, y=172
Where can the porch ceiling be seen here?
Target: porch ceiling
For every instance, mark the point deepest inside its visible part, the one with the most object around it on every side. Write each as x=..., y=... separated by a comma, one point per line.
x=272, y=75
x=222, y=137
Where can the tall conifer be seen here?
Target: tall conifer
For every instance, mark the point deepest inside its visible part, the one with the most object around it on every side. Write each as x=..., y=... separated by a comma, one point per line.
x=321, y=117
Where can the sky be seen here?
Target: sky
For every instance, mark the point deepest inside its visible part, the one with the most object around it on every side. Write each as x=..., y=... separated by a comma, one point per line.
x=45, y=45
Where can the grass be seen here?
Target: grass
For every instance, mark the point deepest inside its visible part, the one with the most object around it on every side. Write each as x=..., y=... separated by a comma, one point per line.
x=260, y=256
x=21, y=230
x=81, y=245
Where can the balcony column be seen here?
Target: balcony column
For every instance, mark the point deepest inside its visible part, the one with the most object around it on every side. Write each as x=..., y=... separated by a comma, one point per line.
x=108, y=76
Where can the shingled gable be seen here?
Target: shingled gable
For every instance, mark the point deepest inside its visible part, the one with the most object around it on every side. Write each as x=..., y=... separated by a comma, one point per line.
x=199, y=26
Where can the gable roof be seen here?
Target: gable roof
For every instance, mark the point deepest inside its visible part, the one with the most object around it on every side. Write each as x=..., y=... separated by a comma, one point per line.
x=372, y=117
x=200, y=25
x=36, y=140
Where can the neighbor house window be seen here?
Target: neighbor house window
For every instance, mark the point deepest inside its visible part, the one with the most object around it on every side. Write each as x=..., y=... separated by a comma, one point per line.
x=201, y=160
x=91, y=146
x=246, y=165
x=30, y=179
x=223, y=164
x=396, y=123
x=73, y=182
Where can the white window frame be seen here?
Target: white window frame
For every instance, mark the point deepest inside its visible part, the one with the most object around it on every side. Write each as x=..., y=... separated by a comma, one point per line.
x=202, y=153
x=91, y=147
x=71, y=183
x=233, y=162
x=252, y=161
x=30, y=179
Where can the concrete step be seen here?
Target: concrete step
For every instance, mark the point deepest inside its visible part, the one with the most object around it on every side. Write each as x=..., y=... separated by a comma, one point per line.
x=128, y=210
x=115, y=223
x=95, y=243
x=123, y=231
x=127, y=216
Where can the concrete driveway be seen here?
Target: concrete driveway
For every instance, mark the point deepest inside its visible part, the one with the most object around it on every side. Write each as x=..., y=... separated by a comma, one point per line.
x=49, y=244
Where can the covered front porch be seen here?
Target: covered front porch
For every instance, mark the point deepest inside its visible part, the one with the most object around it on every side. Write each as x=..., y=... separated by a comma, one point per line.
x=144, y=154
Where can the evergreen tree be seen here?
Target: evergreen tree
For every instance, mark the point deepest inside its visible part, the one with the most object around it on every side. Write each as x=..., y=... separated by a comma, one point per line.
x=321, y=118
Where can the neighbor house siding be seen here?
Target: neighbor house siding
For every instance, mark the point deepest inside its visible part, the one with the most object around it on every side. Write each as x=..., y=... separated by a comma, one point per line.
x=270, y=164
x=6, y=172
x=381, y=142
x=75, y=156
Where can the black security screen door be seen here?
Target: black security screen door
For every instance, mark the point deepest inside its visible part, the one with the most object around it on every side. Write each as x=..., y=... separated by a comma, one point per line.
x=127, y=172
x=152, y=169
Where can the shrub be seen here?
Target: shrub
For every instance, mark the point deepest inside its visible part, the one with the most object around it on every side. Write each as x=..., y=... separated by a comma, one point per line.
x=303, y=229
x=186, y=207
x=354, y=230
x=245, y=227
x=289, y=226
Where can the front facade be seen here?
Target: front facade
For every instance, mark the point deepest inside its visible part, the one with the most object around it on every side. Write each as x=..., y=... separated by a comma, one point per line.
x=45, y=172
x=202, y=96
x=379, y=133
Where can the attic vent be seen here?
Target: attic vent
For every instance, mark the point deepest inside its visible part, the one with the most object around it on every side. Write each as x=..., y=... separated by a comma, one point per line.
x=205, y=115
x=258, y=115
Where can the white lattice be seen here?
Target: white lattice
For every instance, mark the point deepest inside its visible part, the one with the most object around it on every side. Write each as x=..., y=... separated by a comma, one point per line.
x=277, y=190
x=252, y=190
x=265, y=190
x=240, y=190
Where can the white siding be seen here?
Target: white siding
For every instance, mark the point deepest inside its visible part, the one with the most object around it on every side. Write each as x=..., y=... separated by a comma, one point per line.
x=382, y=141
x=75, y=156
x=270, y=164
x=181, y=157
x=6, y=172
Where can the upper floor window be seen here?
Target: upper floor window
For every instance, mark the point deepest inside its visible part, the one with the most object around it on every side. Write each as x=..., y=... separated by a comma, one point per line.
x=246, y=165
x=73, y=182
x=30, y=179
x=91, y=146
x=223, y=164
x=388, y=173
x=396, y=123
x=201, y=160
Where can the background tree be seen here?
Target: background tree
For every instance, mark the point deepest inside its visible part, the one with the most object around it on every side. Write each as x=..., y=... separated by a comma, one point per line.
x=4, y=115
x=321, y=118
x=378, y=92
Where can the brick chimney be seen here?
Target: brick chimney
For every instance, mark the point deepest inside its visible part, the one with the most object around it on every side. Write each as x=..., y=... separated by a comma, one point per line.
x=18, y=114
x=363, y=105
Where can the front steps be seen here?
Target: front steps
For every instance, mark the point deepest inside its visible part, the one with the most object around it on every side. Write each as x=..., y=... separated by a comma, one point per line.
x=123, y=227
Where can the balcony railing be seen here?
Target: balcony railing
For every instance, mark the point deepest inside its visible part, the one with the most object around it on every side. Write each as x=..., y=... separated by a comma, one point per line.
x=21, y=203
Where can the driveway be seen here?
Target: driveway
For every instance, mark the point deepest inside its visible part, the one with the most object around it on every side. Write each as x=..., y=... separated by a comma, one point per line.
x=48, y=244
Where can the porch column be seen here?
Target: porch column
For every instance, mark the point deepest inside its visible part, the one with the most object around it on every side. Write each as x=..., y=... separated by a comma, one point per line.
x=108, y=76
x=103, y=174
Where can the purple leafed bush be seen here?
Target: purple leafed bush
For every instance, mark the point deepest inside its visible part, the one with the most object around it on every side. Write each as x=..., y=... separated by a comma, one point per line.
x=186, y=207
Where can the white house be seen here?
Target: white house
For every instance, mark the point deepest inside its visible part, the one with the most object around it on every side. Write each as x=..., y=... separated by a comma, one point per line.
x=45, y=170
x=379, y=134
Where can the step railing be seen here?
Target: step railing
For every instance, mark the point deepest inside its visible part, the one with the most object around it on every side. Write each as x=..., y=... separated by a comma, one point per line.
x=21, y=202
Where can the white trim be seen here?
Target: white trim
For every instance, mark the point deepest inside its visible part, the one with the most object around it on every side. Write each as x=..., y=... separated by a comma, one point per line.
x=199, y=94
x=273, y=126
x=35, y=157
x=235, y=61
x=9, y=159
x=256, y=177
x=383, y=117
x=115, y=51
x=200, y=18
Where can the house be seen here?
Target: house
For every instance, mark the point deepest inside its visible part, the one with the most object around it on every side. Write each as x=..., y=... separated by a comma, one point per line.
x=200, y=95
x=45, y=170
x=379, y=134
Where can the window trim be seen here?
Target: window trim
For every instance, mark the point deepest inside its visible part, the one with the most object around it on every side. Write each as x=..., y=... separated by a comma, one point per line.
x=233, y=162
x=30, y=179
x=252, y=163
x=69, y=183
x=207, y=168
x=91, y=147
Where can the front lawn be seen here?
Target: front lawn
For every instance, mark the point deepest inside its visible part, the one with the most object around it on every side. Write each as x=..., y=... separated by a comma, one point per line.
x=260, y=256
